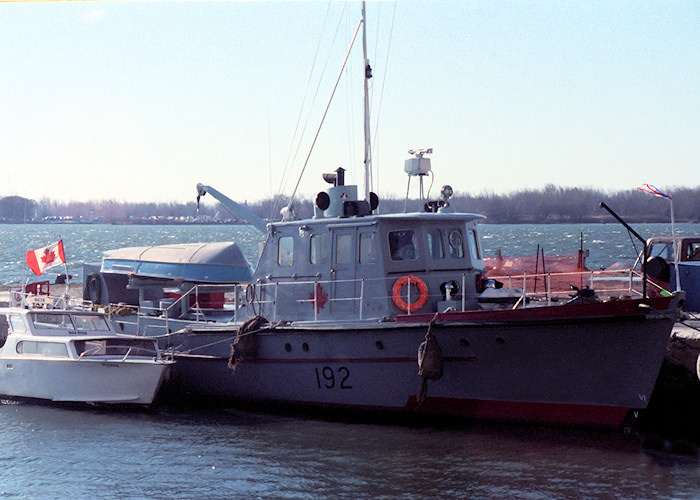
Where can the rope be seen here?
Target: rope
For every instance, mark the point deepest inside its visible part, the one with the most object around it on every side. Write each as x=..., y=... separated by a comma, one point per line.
x=283, y=177
x=190, y=351
x=430, y=362
x=323, y=118
x=381, y=93
x=283, y=181
x=245, y=346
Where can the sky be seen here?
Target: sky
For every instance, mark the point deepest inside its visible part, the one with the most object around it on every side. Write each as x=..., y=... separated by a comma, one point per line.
x=140, y=101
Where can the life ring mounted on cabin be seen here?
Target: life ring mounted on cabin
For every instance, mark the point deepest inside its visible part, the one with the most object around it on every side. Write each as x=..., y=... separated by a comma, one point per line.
x=409, y=280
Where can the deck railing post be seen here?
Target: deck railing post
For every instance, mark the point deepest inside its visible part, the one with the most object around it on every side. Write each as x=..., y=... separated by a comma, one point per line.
x=464, y=300
x=631, y=282
x=315, y=301
x=274, y=306
x=362, y=297
x=235, y=303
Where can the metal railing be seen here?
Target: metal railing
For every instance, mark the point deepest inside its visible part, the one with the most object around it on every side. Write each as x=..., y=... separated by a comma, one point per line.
x=118, y=350
x=558, y=286
x=244, y=301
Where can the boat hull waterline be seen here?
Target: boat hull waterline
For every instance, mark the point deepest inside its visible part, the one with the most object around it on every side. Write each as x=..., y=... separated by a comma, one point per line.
x=556, y=365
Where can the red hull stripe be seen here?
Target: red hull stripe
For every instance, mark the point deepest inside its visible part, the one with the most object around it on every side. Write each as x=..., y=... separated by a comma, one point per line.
x=513, y=411
x=567, y=311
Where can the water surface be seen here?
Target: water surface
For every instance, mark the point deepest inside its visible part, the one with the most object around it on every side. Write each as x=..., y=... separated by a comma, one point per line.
x=50, y=452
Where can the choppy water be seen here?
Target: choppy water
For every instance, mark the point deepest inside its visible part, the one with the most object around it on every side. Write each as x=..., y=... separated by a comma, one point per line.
x=607, y=243
x=56, y=452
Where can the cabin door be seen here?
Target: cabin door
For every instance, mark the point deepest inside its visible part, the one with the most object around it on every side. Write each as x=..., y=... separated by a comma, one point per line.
x=344, y=300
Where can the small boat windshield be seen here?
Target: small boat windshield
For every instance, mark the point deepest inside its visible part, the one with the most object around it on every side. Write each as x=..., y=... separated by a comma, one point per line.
x=86, y=322
x=89, y=322
x=115, y=347
x=46, y=320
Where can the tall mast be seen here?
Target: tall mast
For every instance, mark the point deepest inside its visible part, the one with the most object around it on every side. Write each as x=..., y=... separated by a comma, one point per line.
x=368, y=75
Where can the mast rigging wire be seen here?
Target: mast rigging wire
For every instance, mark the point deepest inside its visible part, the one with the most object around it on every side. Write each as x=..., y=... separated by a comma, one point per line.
x=318, y=131
x=285, y=171
x=381, y=94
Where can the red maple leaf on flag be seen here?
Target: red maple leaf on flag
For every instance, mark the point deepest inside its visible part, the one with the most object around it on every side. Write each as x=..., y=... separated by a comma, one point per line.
x=319, y=298
x=48, y=256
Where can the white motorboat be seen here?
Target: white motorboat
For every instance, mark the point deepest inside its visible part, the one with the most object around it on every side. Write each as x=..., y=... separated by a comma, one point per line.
x=75, y=356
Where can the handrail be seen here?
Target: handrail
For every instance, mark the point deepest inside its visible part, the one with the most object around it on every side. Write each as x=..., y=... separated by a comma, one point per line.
x=91, y=351
x=596, y=280
x=266, y=297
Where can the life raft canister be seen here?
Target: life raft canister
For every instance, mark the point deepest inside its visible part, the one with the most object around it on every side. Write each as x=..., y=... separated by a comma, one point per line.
x=409, y=279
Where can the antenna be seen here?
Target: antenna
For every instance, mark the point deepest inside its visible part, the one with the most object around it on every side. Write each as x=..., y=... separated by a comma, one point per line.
x=368, y=75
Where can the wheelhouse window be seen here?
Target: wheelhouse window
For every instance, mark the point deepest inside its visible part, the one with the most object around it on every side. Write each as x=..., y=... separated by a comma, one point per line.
x=319, y=248
x=285, y=251
x=473, y=243
x=663, y=250
x=343, y=249
x=402, y=245
x=434, y=240
x=368, y=253
x=693, y=251
x=454, y=238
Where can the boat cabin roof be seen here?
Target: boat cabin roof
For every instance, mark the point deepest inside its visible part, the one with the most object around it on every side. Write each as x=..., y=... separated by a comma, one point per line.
x=373, y=219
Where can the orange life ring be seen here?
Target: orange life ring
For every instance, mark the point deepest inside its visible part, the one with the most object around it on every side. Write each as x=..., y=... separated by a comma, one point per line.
x=408, y=280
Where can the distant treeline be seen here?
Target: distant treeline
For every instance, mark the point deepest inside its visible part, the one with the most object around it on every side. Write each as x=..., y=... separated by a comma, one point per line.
x=551, y=204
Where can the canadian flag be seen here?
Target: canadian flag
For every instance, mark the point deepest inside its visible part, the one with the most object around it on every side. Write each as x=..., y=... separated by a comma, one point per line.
x=45, y=258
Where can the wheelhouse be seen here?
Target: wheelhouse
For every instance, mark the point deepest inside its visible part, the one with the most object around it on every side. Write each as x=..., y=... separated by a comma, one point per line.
x=347, y=267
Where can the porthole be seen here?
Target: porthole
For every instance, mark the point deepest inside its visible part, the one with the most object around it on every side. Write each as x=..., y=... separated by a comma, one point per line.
x=500, y=341
x=305, y=347
x=380, y=345
x=464, y=342
x=288, y=347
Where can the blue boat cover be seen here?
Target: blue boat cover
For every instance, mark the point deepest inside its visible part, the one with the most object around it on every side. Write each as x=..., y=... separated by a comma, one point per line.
x=221, y=262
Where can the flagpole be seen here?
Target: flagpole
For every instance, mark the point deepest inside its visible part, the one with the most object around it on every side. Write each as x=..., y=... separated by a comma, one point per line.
x=676, y=250
x=648, y=188
x=66, y=295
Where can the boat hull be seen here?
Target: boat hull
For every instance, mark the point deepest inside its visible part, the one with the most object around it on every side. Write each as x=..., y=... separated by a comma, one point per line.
x=578, y=369
x=82, y=381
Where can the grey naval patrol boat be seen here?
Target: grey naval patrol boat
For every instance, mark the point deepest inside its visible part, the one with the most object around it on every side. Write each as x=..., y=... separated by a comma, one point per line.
x=353, y=309
x=392, y=313
x=347, y=308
